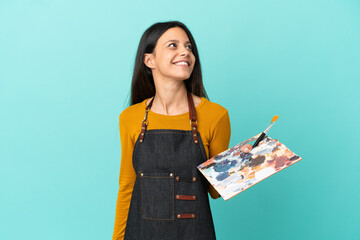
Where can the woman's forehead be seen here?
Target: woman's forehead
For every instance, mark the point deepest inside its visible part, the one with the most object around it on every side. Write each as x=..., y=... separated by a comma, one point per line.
x=175, y=34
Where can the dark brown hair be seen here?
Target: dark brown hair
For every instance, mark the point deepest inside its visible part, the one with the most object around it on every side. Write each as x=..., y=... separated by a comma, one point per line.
x=142, y=85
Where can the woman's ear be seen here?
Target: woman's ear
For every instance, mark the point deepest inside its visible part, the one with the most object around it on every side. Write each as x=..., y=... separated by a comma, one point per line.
x=148, y=60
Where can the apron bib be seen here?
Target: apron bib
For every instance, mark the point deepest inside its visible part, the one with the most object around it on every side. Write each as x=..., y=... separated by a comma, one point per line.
x=169, y=199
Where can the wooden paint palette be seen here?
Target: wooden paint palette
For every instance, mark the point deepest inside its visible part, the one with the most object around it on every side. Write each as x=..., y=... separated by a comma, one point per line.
x=233, y=171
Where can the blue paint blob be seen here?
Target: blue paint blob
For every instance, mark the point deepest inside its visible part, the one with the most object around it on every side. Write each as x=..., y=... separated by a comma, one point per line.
x=222, y=176
x=224, y=165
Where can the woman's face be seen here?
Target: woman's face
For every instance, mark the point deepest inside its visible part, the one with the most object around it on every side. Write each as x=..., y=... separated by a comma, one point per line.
x=172, y=57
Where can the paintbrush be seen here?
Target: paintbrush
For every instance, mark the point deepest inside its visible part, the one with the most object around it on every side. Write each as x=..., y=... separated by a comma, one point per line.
x=263, y=134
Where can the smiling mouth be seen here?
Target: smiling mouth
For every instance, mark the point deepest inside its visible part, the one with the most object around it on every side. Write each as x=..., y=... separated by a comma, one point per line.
x=182, y=63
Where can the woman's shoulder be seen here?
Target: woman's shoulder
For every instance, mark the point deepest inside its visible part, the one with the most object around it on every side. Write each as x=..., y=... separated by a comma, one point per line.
x=211, y=114
x=133, y=112
x=213, y=108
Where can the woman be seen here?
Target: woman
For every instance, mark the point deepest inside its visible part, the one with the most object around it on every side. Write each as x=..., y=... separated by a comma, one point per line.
x=162, y=195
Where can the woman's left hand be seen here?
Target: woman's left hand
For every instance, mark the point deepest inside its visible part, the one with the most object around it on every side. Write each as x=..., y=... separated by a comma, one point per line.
x=246, y=148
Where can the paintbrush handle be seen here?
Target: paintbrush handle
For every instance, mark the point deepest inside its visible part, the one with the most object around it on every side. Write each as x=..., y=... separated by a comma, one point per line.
x=262, y=136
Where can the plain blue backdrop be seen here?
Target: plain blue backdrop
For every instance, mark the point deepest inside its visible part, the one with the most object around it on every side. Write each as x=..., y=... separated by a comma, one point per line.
x=65, y=74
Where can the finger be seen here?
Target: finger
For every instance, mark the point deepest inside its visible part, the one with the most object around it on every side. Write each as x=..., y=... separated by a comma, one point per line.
x=246, y=148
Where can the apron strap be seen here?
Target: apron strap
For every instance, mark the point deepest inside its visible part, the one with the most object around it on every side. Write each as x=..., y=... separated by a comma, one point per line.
x=145, y=122
x=192, y=116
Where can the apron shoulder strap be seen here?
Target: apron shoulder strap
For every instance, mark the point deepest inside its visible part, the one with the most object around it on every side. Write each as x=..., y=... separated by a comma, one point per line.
x=192, y=116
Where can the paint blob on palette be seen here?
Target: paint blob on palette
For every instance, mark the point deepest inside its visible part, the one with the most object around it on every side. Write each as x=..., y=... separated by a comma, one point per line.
x=233, y=171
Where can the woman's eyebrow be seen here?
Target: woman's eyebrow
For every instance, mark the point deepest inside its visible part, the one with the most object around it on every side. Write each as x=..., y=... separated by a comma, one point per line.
x=175, y=41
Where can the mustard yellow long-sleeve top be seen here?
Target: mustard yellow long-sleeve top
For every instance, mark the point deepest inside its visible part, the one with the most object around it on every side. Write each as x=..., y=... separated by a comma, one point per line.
x=213, y=126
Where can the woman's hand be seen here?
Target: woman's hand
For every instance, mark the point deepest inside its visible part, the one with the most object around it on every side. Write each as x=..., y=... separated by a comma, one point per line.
x=246, y=148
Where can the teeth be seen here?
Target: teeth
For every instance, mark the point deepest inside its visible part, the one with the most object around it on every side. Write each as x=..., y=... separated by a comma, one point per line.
x=181, y=63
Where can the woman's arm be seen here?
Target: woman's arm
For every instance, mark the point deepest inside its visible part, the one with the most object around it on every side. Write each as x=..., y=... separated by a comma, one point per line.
x=126, y=180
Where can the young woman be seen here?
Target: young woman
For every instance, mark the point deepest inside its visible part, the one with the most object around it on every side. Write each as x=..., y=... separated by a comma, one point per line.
x=169, y=128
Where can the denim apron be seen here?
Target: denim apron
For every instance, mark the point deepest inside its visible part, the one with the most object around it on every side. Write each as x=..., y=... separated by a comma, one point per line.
x=169, y=199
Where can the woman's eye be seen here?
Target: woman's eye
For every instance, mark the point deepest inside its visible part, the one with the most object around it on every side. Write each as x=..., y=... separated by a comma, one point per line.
x=189, y=46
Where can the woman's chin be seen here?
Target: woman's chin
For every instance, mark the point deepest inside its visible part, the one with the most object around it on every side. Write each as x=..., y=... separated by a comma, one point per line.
x=182, y=76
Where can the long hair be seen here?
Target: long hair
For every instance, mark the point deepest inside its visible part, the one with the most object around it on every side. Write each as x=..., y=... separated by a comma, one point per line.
x=142, y=85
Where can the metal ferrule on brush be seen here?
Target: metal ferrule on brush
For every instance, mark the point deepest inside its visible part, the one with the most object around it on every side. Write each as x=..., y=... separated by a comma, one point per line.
x=268, y=128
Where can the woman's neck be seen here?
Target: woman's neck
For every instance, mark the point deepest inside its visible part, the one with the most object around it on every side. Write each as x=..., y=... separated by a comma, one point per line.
x=170, y=99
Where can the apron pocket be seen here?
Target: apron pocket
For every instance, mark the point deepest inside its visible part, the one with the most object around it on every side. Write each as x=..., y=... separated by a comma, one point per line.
x=157, y=196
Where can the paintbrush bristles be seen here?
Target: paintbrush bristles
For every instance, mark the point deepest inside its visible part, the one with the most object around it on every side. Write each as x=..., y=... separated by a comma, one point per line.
x=274, y=118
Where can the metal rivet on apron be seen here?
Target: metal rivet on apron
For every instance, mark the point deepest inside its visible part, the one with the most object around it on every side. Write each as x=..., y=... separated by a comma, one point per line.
x=142, y=133
x=194, y=179
x=196, y=141
x=177, y=196
x=194, y=128
x=194, y=197
x=193, y=215
x=194, y=135
x=171, y=174
x=142, y=174
x=178, y=216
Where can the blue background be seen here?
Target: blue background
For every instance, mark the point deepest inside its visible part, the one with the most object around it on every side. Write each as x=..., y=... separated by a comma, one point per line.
x=65, y=74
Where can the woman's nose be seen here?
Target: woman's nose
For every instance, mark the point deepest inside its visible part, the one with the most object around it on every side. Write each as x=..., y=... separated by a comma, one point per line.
x=184, y=51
